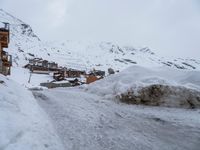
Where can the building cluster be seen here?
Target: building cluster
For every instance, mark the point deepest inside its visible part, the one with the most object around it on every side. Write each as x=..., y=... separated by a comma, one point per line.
x=73, y=76
x=38, y=65
x=5, y=58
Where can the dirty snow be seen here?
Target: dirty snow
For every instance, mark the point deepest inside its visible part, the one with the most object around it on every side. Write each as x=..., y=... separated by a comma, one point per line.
x=177, y=86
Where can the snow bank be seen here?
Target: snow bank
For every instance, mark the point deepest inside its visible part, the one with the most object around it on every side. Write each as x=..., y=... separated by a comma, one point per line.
x=23, y=124
x=157, y=87
x=23, y=77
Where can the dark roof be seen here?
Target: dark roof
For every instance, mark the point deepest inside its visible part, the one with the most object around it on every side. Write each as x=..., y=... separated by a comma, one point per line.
x=4, y=30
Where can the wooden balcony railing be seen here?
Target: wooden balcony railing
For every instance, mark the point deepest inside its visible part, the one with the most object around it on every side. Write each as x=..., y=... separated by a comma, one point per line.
x=7, y=60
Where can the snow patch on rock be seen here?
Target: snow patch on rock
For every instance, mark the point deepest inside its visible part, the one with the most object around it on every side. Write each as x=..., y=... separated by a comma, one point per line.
x=158, y=87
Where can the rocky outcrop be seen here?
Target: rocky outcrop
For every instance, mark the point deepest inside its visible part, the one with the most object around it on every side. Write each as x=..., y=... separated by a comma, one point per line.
x=162, y=95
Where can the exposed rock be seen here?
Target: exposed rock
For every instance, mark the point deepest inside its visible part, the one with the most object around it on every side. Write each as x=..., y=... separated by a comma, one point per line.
x=163, y=95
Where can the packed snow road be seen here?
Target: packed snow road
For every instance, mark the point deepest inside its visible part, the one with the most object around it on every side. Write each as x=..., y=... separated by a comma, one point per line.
x=85, y=121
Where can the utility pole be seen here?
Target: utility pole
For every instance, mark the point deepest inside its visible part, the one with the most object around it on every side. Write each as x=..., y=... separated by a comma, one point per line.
x=29, y=80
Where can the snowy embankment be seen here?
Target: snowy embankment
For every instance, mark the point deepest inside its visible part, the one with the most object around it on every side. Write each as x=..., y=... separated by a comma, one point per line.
x=155, y=87
x=23, y=124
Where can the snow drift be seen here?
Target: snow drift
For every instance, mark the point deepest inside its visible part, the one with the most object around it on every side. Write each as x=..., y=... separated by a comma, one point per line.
x=155, y=87
x=23, y=124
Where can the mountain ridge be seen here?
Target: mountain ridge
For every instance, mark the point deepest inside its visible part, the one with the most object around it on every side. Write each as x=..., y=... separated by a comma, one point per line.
x=25, y=44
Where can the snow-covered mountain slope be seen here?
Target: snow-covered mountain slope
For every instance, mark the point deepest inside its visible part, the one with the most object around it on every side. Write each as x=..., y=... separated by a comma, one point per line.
x=105, y=54
x=83, y=55
x=22, y=38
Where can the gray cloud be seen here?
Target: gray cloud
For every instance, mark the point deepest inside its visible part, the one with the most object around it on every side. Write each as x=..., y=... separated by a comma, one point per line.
x=169, y=27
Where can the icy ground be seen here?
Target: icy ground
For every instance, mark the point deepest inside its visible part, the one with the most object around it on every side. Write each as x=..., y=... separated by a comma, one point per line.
x=86, y=121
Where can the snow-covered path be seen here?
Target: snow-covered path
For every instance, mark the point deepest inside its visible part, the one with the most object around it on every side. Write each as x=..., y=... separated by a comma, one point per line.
x=85, y=121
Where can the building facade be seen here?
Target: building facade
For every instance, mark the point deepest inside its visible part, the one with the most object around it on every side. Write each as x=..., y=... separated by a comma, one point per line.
x=5, y=58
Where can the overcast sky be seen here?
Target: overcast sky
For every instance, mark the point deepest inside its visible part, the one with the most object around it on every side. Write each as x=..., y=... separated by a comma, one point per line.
x=169, y=27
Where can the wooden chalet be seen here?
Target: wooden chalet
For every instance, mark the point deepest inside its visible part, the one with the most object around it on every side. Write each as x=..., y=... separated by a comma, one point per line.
x=52, y=65
x=34, y=61
x=97, y=73
x=38, y=65
x=73, y=73
x=68, y=73
x=91, y=79
x=5, y=58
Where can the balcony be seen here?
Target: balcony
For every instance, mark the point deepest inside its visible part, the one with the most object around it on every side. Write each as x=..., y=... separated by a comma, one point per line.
x=4, y=57
x=7, y=60
x=4, y=38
